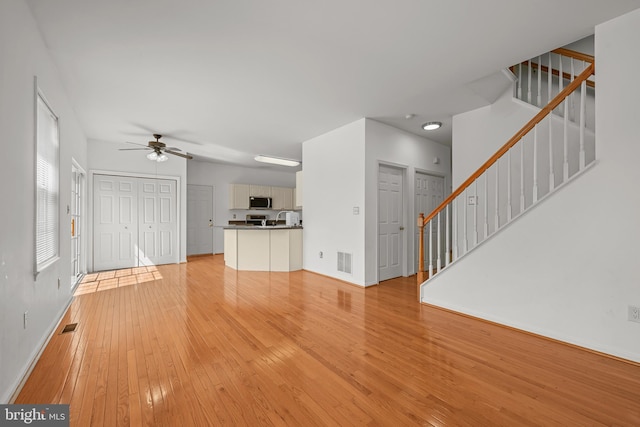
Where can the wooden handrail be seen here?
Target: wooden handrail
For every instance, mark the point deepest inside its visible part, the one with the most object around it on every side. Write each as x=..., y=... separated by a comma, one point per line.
x=514, y=139
x=573, y=54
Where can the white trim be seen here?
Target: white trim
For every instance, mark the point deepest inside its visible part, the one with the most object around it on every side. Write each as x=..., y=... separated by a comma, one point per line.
x=83, y=224
x=176, y=178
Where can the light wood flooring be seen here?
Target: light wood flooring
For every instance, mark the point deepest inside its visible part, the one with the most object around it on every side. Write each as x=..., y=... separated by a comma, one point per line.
x=207, y=346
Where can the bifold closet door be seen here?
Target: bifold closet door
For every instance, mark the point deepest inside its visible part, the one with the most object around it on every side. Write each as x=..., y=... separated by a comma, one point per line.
x=115, y=222
x=135, y=222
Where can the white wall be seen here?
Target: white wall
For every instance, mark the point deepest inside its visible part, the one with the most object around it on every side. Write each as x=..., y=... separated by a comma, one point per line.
x=105, y=156
x=391, y=146
x=565, y=270
x=219, y=176
x=23, y=55
x=340, y=174
x=334, y=183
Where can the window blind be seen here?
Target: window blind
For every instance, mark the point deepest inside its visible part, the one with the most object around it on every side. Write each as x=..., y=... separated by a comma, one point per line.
x=47, y=176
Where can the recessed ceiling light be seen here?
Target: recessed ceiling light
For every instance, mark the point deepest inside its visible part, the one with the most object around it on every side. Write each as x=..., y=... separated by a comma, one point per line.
x=432, y=125
x=276, y=161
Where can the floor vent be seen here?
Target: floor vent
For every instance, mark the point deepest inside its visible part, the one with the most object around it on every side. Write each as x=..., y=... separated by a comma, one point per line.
x=344, y=262
x=69, y=328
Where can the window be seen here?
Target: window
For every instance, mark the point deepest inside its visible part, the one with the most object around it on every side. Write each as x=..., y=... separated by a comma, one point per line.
x=47, y=176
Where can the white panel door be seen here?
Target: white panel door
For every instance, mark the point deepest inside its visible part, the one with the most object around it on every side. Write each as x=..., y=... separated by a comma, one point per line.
x=429, y=195
x=390, y=228
x=115, y=222
x=158, y=222
x=199, y=219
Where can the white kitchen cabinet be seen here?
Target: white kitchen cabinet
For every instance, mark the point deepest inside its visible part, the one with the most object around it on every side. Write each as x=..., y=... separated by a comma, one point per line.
x=263, y=249
x=282, y=198
x=239, y=196
x=259, y=191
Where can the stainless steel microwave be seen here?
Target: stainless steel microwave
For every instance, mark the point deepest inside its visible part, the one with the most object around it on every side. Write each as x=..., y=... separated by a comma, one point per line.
x=260, y=202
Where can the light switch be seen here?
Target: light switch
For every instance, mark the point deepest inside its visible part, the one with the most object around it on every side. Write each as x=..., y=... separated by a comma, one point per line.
x=356, y=210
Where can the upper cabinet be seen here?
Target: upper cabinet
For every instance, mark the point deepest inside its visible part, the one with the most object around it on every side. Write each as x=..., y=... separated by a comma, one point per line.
x=282, y=198
x=260, y=191
x=239, y=196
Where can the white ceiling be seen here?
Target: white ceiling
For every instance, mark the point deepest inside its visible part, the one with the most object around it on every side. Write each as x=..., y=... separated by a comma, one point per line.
x=227, y=80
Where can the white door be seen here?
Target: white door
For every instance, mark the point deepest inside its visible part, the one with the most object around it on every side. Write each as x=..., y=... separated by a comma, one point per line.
x=199, y=219
x=429, y=195
x=115, y=222
x=158, y=223
x=390, y=228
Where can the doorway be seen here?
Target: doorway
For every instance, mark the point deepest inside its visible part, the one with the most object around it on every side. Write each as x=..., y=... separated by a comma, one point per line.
x=429, y=195
x=390, y=228
x=199, y=219
x=134, y=222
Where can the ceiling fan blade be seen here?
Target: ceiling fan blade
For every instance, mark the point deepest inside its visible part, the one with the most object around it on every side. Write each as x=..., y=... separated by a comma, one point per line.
x=186, y=156
x=135, y=143
x=129, y=149
x=172, y=148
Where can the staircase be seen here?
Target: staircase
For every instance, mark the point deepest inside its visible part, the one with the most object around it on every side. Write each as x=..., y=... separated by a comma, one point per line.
x=553, y=148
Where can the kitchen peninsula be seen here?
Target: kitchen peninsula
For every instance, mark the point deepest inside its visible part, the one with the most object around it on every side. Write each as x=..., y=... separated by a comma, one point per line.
x=268, y=248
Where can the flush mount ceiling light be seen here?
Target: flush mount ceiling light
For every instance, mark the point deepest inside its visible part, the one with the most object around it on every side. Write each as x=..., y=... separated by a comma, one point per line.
x=432, y=125
x=276, y=161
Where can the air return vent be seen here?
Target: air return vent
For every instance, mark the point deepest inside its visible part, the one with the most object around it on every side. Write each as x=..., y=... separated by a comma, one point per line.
x=344, y=262
x=69, y=328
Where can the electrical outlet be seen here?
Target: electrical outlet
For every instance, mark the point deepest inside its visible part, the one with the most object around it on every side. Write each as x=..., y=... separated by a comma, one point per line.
x=472, y=200
x=634, y=314
x=25, y=317
x=321, y=254
x=234, y=216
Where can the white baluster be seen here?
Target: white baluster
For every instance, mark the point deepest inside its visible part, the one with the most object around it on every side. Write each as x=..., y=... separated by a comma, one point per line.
x=439, y=262
x=529, y=81
x=535, y=164
x=561, y=75
x=497, y=206
x=509, y=211
x=519, y=81
x=447, y=239
x=475, y=213
x=573, y=98
x=583, y=96
x=552, y=177
x=565, y=164
x=539, y=101
x=465, y=230
x=549, y=79
x=486, y=204
x=455, y=229
x=431, y=248
x=521, y=144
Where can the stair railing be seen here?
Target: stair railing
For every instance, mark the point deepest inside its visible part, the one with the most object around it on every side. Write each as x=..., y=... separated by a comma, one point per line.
x=538, y=159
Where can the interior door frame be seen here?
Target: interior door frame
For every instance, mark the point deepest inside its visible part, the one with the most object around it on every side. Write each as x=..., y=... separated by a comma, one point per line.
x=403, y=249
x=90, y=203
x=83, y=229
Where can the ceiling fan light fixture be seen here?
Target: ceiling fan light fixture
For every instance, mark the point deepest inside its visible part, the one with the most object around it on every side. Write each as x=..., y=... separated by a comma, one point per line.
x=432, y=125
x=162, y=158
x=152, y=156
x=276, y=161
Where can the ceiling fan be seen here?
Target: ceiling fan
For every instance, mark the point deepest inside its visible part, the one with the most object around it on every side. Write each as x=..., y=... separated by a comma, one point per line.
x=158, y=150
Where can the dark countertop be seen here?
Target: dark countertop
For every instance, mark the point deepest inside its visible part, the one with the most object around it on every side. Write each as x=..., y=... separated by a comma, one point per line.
x=260, y=227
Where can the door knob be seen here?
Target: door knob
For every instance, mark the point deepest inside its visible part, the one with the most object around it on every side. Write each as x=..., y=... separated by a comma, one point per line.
x=401, y=228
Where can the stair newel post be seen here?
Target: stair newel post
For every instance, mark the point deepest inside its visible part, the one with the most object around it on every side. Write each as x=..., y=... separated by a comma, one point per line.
x=565, y=145
x=535, y=164
x=420, y=274
x=552, y=177
x=430, y=254
x=583, y=96
x=539, y=104
x=465, y=229
x=455, y=229
x=475, y=213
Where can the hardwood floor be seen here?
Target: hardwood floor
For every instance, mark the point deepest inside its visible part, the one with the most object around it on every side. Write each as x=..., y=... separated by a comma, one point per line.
x=207, y=345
